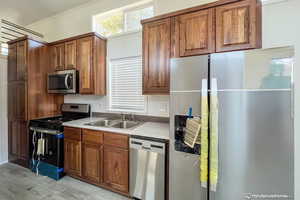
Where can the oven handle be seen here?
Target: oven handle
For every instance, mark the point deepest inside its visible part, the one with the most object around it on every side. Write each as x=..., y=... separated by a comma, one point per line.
x=46, y=131
x=66, y=81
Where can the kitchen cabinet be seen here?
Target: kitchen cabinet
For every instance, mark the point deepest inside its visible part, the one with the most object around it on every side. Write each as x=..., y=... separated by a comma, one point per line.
x=85, y=65
x=18, y=141
x=196, y=33
x=98, y=157
x=87, y=54
x=238, y=26
x=58, y=57
x=156, y=57
x=70, y=55
x=220, y=26
x=92, y=154
x=26, y=78
x=72, y=149
x=92, y=162
x=116, y=167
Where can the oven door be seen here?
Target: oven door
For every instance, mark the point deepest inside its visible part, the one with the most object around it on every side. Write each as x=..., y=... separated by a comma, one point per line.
x=63, y=82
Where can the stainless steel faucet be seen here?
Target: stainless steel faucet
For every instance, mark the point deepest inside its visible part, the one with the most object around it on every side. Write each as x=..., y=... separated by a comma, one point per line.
x=123, y=117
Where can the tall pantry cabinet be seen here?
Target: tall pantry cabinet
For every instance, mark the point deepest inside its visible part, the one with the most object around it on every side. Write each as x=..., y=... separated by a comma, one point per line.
x=28, y=65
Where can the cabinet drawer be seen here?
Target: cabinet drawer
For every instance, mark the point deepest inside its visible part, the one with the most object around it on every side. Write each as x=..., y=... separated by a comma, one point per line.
x=91, y=136
x=72, y=133
x=116, y=140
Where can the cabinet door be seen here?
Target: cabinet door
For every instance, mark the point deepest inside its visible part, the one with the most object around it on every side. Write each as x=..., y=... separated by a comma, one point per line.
x=70, y=55
x=17, y=100
x=58, y=57
x=12, y=62
x=13, y=140
x=197, y=33
x=24, y=145
x=85, y=65
x=238, y=26
x=156, y=53
x=18, y=140
x=116, y=166
x=72, y=151
x=21, y=61
x=92, y=162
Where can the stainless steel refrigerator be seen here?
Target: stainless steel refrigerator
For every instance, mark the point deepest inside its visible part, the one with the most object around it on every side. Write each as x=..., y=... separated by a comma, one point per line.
x=255, y=124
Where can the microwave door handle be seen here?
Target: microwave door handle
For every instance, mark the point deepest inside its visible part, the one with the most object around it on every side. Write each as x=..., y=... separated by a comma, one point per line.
x=66, y=81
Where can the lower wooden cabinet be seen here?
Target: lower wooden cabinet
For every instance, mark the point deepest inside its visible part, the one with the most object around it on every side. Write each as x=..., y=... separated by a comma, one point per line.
x=92, y=162
x=18, y=142
x=98, y=158
x=116, y=167
x=72, y=157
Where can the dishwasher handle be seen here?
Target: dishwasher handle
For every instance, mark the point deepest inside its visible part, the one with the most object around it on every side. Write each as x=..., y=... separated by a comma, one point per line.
x=146, y=145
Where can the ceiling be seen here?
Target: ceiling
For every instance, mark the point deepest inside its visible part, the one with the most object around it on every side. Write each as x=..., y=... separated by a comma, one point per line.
x=25, y=12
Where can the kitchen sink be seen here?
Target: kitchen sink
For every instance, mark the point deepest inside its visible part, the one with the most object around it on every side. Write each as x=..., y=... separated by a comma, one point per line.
x=114, y=124
x=125, y=124
x=102, y=123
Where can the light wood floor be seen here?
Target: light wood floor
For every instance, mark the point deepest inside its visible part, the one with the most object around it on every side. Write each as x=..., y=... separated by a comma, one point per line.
x=17, y=183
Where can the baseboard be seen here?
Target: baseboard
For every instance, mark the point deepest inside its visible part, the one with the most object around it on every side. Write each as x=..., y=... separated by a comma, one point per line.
x=1, y=163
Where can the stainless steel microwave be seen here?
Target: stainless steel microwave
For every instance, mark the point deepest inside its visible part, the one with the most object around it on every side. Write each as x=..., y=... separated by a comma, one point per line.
x=63, y=82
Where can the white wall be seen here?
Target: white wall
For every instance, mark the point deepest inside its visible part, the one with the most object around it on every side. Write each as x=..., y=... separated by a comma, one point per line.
x=280, y=28
x=3, y=110
x=119, y=47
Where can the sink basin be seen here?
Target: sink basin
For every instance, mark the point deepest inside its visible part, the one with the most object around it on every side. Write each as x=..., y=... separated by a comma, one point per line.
x=114, y=124
x=125, y=124
x=102, y=123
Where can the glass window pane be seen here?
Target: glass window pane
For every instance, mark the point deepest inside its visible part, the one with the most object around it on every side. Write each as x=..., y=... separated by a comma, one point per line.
x=112, y=24
x=133, y=18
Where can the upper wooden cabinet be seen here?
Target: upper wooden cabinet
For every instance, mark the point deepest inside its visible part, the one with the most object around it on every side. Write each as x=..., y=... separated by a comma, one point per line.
x=156, y=56
x=70, y=55
x=85, y=65
x=195, y=33
x=87, y=54
x=238, y=26
x=224, y=25
x=58, y=57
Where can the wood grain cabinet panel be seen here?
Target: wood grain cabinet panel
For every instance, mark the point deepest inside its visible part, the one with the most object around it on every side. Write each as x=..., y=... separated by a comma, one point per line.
x=92, y=162
x=72, y=149
x=116, y=168
x=156, y=57
x=85, y=65
x=58, y=57
x=12, y=63
x=21, y=60
x=18, y=142
x=238, y=26
x=196, y=34
x=70, y=55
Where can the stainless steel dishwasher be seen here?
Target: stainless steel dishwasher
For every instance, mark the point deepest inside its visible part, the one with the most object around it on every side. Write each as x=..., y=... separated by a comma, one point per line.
x=147, y=169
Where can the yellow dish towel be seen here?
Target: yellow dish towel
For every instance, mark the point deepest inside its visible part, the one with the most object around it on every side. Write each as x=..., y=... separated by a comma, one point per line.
x=204, y=135
x=214, y=154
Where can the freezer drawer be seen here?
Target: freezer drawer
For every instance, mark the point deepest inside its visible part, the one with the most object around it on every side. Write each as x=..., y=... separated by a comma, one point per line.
x=147, y=169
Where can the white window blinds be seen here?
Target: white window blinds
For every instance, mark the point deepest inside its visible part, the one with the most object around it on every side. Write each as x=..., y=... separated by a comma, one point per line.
x=126, y=85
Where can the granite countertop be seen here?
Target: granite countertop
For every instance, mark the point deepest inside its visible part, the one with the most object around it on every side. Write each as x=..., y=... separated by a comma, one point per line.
x=146, y=129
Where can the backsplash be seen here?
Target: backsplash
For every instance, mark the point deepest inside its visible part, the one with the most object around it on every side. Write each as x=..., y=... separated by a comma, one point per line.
x=155, y=105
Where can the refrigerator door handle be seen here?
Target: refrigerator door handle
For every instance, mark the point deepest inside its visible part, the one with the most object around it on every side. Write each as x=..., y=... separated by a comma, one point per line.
x=214, y=137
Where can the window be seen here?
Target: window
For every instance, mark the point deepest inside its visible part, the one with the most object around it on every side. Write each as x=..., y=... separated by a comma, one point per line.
x=4, y=49
x=127, y=19
x=125, y=78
